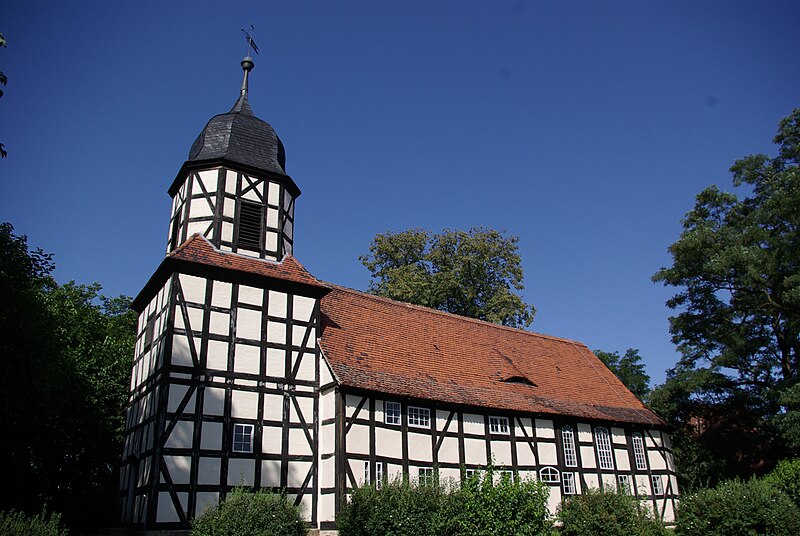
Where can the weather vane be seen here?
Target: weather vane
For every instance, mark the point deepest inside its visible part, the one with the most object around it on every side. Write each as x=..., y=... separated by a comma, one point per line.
x=250, y=43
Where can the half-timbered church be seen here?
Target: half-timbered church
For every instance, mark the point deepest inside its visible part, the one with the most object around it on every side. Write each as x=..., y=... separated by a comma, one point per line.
x=250, y=371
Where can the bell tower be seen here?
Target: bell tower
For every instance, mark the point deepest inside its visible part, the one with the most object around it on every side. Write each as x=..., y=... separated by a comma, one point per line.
x=233, y=188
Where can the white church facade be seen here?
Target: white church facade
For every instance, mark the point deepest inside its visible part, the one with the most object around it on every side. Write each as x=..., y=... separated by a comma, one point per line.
x=250, y=371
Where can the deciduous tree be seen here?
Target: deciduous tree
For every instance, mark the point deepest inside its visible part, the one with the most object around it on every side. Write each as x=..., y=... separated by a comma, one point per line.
x=737, y=327
x=474, y=273
x=628, y=368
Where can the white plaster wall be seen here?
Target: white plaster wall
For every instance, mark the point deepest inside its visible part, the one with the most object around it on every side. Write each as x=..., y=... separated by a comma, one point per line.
x=617, y=436
x=388, y=442
x=547, y=453
x=592, y=481
x=271, y=438
x=214, y=401
x=277, y=304
x=273, y=407
x=473, y=424
x=501, y=453
x=448, y=451
x=208, y=470
x=220, y=323
x=273, y=193
x=276, y=365
x=194, y=288
x=221, y=294
x=217, y=356
x=230, y=181
x=181, y=436
x=166, y=510
x=178, y=467
x=271, y=473
x=642, y=484
x=419, y=446
x=241, y=472
x=297, y=472
x=358, y=439
x=251, y=295
x=475, y=452
x=622, y=459
x=276, y=332
x=588, y=458
x=206, y=500
x=247, y=359
x=298, y=443
x=211, y=436
x=525, y=455
x=176, y=394
x=656, y=460
x=544, y=428
x=584, y=432
x=244, y=404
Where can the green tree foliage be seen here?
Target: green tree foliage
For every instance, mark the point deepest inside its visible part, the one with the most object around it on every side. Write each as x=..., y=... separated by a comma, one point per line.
x=66, y=354
x=786, y=477
x=737, y=266
x=485, y=505
x=628, y=368
x=472, y=274
x=15, y=523
x=738, y=508
x=259, y=513
x=607, y=513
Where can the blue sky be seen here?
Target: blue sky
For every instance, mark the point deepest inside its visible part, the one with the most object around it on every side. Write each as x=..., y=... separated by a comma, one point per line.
x=584, y=128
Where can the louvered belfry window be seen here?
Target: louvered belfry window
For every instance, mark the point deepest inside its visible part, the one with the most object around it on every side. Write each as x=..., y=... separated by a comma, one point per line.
x=251, y=219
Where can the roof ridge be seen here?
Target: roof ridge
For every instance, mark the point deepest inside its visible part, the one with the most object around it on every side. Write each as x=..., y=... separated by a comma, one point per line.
x=431, y=310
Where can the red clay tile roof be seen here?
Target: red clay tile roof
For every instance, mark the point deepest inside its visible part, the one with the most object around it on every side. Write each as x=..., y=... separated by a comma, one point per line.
x=199, y=250
x=381, y=345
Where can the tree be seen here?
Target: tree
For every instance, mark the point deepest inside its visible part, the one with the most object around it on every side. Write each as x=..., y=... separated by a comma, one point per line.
x=66, y=354
x=737, y=265
x=471, y=273
x=4, y=81
x=628, y=368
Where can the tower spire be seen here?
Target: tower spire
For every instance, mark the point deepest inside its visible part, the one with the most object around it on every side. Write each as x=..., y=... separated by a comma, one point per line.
x=247, y=66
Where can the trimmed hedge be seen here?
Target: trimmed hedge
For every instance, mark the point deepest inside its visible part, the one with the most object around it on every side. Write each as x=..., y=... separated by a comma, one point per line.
x=485, y=505
x=738, y=508
x=256, y=514
x=19, y=524
x=607, y=513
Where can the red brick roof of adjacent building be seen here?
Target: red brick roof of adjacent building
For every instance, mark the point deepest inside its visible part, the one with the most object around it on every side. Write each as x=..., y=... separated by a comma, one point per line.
x=199, y=250
x=404, y=350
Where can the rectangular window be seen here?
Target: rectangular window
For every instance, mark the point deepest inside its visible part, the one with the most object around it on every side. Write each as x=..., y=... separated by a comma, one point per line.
x=419, y=417
x=251, y=222
x=658, y=486
x=149, y=330
x=469, y=473
x=366, y=473
x=568, y=440
x=624, y=484
x=638, y=452
x=568, y=483
x=549, y=475
x=242, y=438
x=391, y=412
x=378, y=475
x=425, y=476
x=498, y=425
x=603, y=444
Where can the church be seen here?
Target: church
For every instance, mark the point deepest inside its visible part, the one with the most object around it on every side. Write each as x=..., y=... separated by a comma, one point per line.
x=250, y=371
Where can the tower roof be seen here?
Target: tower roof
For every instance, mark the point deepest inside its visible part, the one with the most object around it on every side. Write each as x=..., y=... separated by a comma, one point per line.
x=241, y=137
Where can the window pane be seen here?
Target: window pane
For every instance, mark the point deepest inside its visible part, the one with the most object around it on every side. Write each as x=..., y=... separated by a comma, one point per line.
x=420, y=417
x=603, y=444
x=568, y=481
x=498, y=425
x=568, y=438
x=392, y=413
x=638, y=452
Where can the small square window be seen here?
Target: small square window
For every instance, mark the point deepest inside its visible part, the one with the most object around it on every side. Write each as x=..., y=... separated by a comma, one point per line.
x=658, y=485
x=568, y=483
x=498, y=425
x=419, y=417
x=425, y=476
x=391, y=412
x=242, y=438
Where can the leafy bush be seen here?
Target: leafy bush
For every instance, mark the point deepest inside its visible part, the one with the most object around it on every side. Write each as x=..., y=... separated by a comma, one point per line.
x=18, y=524
x=786, y=477
x=257, y=514
x=608, y=513
x=479, y=506
x=738, y=508
x=399, y=508
x=483, y=506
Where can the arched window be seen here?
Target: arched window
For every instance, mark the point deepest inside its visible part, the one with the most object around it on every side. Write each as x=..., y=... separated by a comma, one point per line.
x=638, y=451
x=602, y=442
x=549, y=474
x=568, y=440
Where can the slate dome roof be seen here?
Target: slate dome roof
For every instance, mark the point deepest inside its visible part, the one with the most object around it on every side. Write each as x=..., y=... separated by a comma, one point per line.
x=241, y=137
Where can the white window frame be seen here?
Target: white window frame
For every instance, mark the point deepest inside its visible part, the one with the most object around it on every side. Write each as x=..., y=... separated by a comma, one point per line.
x=638, y=451
x=499, y=425
x=658, y=485
x=549, y=475
x=605, y=453
x=392, y=413
x=425, y=475
x=378, y=475
x=469, y=473
x=243, y=437
x=568, y=442
x=366, y=473
x=568, y=483
x=419, y=417
x=624, y=484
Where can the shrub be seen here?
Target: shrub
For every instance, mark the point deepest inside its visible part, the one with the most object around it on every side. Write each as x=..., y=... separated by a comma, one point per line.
x=399, y=508
x=786, y=477
x=18, y=524
x=738, y=508
x=258, y=514
x=608, y=513
x=484, y=506
x=479, y=506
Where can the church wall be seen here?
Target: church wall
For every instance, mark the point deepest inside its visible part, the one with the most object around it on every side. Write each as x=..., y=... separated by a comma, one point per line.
x=237, y=386
x=454, y=442
x=209, y=202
